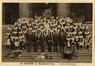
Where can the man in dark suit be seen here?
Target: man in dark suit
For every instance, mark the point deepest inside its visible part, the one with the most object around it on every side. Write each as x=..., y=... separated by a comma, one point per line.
x=55, y=39
x=28, y=40
x=49, y=41
x=62, y=41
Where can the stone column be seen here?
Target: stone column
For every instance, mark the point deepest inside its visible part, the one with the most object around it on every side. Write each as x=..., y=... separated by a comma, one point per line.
x=23, y=10
x=63, y=9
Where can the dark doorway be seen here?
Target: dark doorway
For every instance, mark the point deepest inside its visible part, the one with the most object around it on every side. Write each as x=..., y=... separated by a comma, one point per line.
x=38, y=8
x=10, y=12
x=82, y=9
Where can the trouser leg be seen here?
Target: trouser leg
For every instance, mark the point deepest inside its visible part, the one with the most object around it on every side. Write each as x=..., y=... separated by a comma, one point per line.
x=49, y=47
x=28, y=47
x=55, y=48
x=42, y=46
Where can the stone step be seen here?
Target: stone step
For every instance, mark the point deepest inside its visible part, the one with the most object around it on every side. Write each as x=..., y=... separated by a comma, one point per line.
x=50, y=54
x=52, y=58
x=54, y=55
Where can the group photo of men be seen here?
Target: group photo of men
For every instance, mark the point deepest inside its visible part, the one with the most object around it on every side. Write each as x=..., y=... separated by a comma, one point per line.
x=45, y=32
x=52, y=32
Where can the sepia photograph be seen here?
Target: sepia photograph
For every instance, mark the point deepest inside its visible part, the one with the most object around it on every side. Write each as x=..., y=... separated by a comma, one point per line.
x=47, y=32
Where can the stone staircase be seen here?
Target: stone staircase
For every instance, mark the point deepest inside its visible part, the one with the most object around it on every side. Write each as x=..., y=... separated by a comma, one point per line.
x=83, y=56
